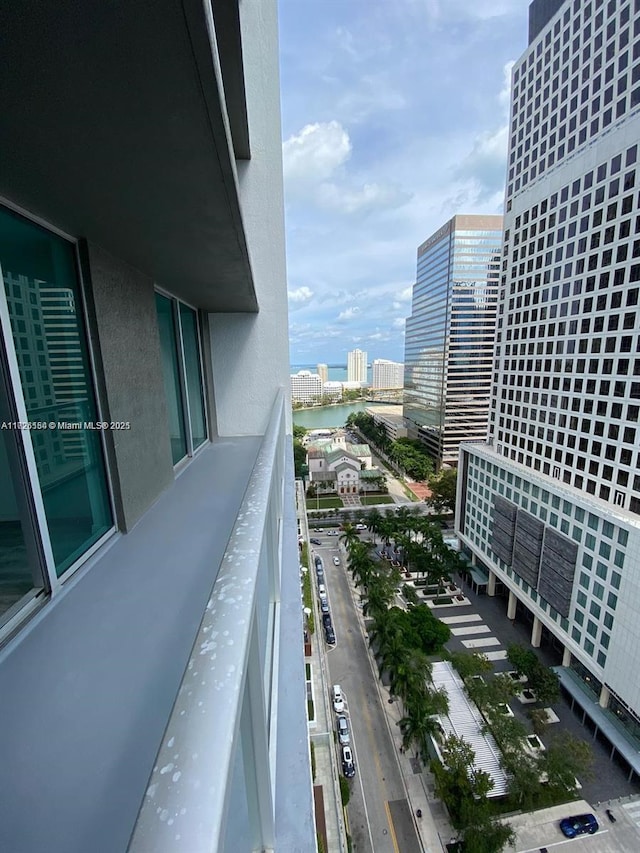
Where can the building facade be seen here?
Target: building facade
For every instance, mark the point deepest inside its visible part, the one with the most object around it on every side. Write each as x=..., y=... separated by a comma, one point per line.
x=450, y=335
x=147, y=503
x=550, y=507
x=323, y=372
x=357, y=366
x=387, y=374
x=306, y=387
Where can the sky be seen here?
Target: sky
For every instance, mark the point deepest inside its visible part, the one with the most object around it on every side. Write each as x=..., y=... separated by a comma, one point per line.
x=394, y=118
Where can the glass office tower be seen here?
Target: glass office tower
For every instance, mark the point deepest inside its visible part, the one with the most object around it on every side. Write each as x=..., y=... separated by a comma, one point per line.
x=549, y=509
x=450, y=334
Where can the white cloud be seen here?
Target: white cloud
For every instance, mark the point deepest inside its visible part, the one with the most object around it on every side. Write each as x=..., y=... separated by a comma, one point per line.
x=362, y=199
x=349, y=313
x=398, y=323
x=301, y=295
x=314, y=154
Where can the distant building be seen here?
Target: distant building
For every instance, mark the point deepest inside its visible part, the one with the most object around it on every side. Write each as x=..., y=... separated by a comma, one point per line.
x=332, y=390
x=450, y=334
x=387, y=374
x=357, y=366
x=306, y=387
x=391, y=418
x=323, y=372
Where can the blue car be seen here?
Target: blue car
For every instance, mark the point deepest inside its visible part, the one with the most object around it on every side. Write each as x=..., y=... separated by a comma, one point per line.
x=579, y=825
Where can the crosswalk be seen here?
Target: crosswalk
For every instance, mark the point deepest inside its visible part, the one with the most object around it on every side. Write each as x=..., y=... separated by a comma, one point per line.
x=474, y=631
x=633, y=811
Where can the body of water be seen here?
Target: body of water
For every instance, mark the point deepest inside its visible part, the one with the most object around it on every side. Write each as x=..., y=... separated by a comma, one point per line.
x=324, y=417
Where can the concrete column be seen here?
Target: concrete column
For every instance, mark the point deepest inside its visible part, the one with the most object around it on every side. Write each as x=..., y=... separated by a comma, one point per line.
x=604, y=697
x=491, y=586
x=511, y=606
x=536, y=633
x=566, y=657
x=474, y=561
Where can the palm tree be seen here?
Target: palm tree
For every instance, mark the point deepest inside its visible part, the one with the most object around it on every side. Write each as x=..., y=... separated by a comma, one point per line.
x=420, y=722
x=378, y=599
x=373, y=519
x=349, y=535
x=410, y=675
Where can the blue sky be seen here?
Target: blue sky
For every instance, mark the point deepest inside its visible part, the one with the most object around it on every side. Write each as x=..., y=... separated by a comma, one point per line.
x=394, y=118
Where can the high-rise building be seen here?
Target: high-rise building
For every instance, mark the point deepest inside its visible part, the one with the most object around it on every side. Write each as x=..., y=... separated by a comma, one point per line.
x=387, y=374
x=323, y=372
x=306, y=387
x=450, y=334
x=549, y=509
x=357, y=366
x=150, y=612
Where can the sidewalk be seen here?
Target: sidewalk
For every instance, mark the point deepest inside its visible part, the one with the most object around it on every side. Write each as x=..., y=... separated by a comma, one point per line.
x=321, y=727
x=434, y=828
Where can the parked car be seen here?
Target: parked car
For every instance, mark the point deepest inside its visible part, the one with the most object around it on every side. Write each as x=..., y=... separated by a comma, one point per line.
x=338, y=698
x=348, y=767
x=318, y=562
x=330, y=636
x=344, y=736
x=579, y=825
x=322, y=591
x=315, y=541
x=336, y=561
x=320, y=573
x=326, y=620
x=324, y=605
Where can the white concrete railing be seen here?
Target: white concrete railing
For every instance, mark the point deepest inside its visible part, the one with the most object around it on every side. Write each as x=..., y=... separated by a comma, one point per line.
x=221, y=700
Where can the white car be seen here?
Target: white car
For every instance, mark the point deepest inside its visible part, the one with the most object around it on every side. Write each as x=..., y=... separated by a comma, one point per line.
x=338, y=699
x=342, y=725
x=336, y=561
x=322, y=592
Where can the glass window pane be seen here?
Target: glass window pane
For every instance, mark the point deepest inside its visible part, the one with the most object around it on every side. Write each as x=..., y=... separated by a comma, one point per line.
x=172, y=386
x=193, y=373
x=19, y=572
x=45, y=309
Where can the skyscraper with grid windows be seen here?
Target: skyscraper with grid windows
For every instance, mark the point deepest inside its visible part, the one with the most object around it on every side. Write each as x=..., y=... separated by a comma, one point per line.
x=549, y=509
x=450, y=333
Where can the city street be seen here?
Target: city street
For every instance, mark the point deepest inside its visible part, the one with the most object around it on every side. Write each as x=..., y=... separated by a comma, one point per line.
x=379, y=815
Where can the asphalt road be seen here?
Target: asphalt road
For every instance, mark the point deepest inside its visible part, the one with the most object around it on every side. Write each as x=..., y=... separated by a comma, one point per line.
x=379, y=816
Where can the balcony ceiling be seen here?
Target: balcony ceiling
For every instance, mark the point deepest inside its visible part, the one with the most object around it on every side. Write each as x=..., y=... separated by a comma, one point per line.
x=112, y=129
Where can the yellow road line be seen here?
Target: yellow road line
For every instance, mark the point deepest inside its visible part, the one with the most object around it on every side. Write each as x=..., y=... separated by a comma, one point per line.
x=391, y=828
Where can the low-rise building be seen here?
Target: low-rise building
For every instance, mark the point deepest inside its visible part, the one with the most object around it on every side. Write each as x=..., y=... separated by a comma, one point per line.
x=341, y=468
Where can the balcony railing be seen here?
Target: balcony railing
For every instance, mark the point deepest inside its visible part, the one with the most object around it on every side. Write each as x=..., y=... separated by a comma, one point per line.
x=228, y=696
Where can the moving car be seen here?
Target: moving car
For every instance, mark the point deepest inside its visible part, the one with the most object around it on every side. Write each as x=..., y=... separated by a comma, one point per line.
x=338, y=699
x=315, y=541
x=361, y=526
x=348, y=767
x=579, y=825
x=343, y=730
x=336, y=561
x=332, y=532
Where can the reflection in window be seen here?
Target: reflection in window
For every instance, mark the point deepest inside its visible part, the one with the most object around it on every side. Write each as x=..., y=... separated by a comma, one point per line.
x=193, y=374
x=19, y=573
x=171, y=375
x=48, y=336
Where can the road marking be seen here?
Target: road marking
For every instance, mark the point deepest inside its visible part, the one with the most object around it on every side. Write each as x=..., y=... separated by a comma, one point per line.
x=565, y=841
x=476, y=644
x=470, y=629
x=501, y=655
x=455, y=620
x=392, y=828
